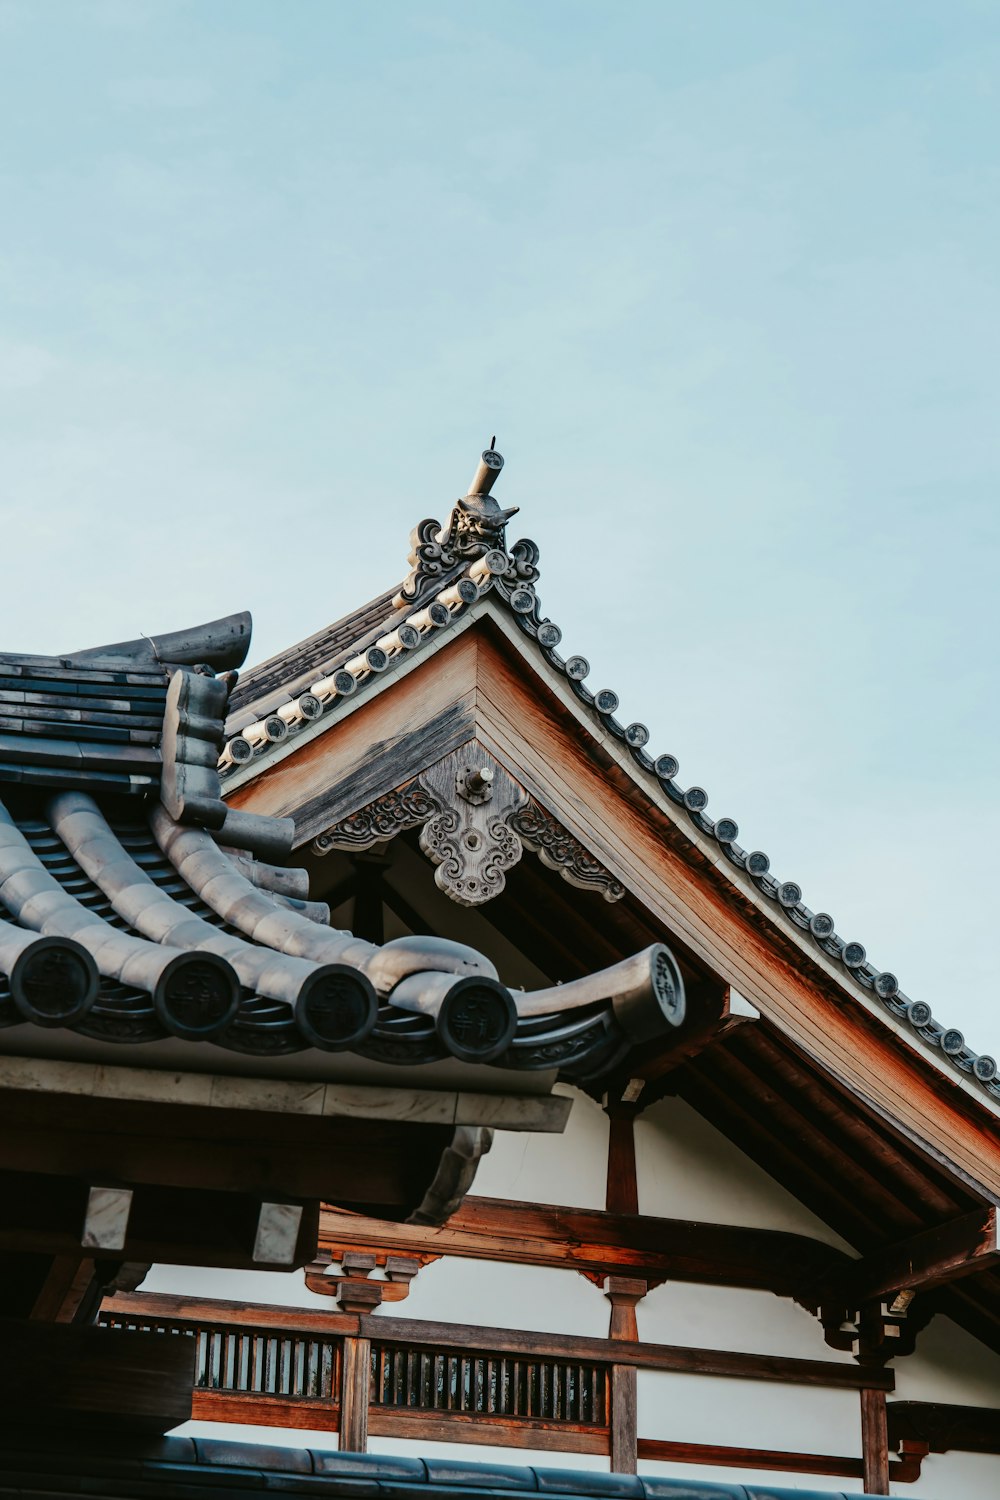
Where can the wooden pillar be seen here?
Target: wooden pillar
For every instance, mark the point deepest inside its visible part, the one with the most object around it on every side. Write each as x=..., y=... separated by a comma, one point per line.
x=622, y=1193
x=624, y=1436
x=623, y=1292
x=875, y=1442
x=355, y=1383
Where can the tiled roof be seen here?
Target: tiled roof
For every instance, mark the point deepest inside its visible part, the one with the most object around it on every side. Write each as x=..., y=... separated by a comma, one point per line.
x=166, y=1467
x=134, y=905
x=452, y=568
x=279, y=673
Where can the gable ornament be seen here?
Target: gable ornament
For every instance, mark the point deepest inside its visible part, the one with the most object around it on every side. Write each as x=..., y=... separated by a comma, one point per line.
x=475, y=823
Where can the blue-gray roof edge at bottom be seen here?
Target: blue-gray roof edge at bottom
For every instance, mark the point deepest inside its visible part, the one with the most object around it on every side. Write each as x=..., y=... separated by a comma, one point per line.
x=174, y=1467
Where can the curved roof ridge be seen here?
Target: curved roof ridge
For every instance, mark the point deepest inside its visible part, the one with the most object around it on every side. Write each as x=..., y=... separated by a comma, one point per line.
x=447, y=578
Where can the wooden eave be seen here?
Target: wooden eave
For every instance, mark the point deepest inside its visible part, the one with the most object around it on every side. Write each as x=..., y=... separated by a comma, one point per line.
x=483, y=680
x=827, y=1092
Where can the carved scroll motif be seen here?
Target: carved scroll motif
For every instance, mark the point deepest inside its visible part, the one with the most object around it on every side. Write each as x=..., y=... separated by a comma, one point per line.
x=559, y=850
x=382, y=819
x=475, y=823
x=470, y=839
x=476, y=526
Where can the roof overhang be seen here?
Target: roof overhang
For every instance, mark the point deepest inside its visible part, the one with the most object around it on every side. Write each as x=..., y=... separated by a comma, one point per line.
x=673, y=822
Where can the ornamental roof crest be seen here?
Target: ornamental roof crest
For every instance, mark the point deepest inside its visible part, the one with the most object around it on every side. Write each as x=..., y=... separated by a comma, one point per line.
x=475, y=532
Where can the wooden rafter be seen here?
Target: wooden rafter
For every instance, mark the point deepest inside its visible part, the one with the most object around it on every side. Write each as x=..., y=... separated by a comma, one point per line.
x=931, y=1259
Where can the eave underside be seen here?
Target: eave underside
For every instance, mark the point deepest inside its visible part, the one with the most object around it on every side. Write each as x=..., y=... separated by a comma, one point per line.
x=855, y=1170
x=830, y=1100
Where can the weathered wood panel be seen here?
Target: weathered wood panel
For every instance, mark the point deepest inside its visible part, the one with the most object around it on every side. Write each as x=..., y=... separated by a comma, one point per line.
x=386, y=740
x=537, y=737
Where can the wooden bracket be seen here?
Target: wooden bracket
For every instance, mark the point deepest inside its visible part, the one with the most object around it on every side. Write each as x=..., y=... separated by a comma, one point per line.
x=624, y=1292
x=353, y=1288
x=879, y=1330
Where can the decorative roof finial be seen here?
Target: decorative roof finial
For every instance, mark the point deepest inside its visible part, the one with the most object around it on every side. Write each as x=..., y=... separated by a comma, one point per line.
x=475, y=530
x=485, y=477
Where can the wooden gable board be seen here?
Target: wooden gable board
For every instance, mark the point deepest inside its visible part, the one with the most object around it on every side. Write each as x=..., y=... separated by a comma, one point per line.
x=482, y=683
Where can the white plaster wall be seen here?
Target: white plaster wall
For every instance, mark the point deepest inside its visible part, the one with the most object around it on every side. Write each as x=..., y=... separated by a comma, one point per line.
x=813, y=1484
x=686, y=1169
x=717, y=1317
x=950, y=1365
x=505, y=1296
x=955, y=1476
x=752, y=1414
x=447, y=1291
x=570, y=1169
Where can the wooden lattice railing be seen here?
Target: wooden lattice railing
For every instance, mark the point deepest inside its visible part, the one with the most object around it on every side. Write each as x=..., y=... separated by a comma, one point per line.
x=356, y=1375
x=301, y=1367
x=249, y=1361
x=489, y=1385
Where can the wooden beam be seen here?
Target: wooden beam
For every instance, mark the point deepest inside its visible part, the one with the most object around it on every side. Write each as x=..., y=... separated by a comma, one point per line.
x=357, y=1161
x=44, y=1214
x=910, y=1176
x=161, y=1308
x=624, y=1292
x=725, y=1104
x=843, y=1172
x=934, y=1258
x=477, y=1427
x=683, y=1359
x=596, y=1243
x=777, y=1460
x=259, y=1410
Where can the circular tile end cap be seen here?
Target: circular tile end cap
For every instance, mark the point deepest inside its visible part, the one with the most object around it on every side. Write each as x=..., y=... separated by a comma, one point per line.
x=477, y=1020
x=337, y=1008
x=197, y=996
x=54, y=982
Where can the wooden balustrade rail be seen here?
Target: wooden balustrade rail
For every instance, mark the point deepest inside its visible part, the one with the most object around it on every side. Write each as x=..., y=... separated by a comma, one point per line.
x=360, y=1375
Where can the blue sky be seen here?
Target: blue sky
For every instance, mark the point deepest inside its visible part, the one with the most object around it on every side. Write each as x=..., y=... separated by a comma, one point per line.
x=721, y=277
